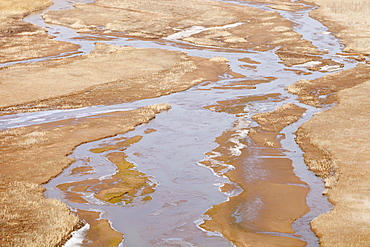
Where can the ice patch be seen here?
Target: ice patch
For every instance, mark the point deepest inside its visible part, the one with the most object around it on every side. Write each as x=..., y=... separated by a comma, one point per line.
x=201, y=220
x=197, y=29
x=77, y=237
x=178, y=242
x=186, y=33
x=330, y=68
x=309, y=64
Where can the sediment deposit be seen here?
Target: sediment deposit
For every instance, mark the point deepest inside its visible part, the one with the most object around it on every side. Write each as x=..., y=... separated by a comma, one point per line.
x=267, y=182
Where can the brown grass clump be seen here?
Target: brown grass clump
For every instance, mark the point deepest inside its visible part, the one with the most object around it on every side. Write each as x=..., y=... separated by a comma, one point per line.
x=20, y=40
x=322, y=91
x=279, y=118
x=28, y=219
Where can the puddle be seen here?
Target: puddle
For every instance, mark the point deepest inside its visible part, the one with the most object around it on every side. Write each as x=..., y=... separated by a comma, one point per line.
x=171, y=154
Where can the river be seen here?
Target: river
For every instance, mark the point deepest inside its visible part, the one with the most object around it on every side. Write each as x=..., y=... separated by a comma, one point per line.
x=185, y=189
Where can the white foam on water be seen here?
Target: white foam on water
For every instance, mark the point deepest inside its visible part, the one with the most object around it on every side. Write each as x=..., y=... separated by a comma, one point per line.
x=237, y=149
x=186, y=33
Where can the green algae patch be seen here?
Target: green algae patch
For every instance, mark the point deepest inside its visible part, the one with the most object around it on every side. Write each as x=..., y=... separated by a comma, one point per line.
x=130, y=141
x=147, y=198
x=127, y=184
x=103, y=149
x=124, y=165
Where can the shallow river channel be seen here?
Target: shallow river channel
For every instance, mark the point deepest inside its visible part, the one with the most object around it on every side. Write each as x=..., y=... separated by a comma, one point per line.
x=185, y=135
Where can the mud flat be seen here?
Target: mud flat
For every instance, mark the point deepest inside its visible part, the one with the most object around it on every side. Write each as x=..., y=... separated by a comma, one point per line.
x=113, y=75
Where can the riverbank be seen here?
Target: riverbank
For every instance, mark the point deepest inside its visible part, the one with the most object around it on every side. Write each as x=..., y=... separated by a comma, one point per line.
x=336, y=141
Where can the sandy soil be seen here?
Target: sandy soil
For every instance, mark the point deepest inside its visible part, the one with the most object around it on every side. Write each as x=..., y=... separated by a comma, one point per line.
x=267, y=183
x=108, y=75
x=20, y=40
x=214, y=24
x=33, y=155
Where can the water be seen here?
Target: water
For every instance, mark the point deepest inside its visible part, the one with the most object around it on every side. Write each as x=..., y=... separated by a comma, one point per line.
x=185, y=190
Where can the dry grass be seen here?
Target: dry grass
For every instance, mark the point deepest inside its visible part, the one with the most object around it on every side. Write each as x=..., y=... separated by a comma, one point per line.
x=109, y=75
x=22, y=7
x=349, y=7
x=28, y=219
x=311, y=92
x=336, y=143
x=349, y=19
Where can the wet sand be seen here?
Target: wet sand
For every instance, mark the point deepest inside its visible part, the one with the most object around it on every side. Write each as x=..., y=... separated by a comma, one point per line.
x=267, y=183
